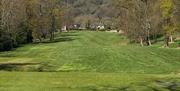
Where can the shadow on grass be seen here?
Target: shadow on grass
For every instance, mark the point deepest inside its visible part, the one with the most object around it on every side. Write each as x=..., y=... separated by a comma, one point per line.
x=94, y=88
x=14, y=66
x=65, y=39
x=68, y=35
x=26, y=67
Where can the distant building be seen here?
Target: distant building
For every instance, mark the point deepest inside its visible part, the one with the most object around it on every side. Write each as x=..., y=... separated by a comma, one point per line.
x=64, y=29
x=100, y=27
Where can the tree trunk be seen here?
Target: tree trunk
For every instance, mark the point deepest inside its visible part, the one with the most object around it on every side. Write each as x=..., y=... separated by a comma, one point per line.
x=171, y=39
x=53, y=28
x=148, y=41
x=29, y=36
x=141, y=41
x=166, y=41
x=51, y=36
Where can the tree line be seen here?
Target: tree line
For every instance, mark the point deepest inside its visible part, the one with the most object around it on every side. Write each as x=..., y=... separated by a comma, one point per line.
x=25, y=21
x=144, y=21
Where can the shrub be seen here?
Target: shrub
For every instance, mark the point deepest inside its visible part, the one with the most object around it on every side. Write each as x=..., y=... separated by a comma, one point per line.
x=6, y=42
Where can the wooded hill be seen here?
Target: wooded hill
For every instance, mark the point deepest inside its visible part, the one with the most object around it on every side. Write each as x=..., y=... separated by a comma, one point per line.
x=91, y=13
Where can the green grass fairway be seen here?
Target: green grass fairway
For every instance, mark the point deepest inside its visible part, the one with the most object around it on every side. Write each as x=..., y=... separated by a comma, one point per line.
x=89, y=61
x=78, y=81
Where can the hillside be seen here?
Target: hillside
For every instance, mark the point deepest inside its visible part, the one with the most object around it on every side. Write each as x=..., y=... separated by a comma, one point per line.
x=88, y=13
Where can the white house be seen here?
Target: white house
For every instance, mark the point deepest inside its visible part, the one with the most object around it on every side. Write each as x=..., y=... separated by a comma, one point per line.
x=100, y=27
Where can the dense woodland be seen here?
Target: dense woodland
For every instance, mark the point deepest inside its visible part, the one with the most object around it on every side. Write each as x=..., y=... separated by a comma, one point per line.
x=142, y=21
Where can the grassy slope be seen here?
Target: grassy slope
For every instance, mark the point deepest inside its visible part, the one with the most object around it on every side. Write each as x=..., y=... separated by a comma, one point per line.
x=92, y=52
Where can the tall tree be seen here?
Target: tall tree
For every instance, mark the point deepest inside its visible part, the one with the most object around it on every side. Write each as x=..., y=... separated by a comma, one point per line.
x=168, y=11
